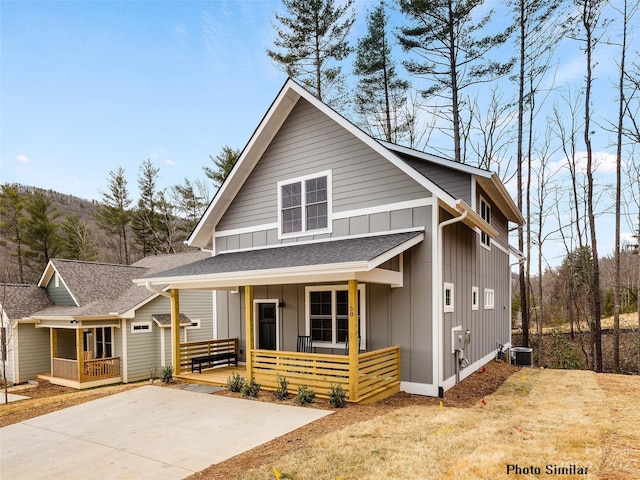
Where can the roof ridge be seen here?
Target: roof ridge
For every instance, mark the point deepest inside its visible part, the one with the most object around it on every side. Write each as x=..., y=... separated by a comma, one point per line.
x=87, y=262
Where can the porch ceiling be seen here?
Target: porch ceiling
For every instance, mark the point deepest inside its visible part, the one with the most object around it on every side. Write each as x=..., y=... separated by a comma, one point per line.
x=331, y=260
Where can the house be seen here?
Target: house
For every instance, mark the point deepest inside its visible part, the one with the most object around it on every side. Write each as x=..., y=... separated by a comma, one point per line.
x=86, y=324
x=393, y=261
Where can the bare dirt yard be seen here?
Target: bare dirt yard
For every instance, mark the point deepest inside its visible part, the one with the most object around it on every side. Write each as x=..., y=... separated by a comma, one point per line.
x=562, y=424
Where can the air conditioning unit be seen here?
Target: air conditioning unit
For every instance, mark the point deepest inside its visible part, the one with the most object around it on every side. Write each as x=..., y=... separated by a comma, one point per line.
x=522, y=356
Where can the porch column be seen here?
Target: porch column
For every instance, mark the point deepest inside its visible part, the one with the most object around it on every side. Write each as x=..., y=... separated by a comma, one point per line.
x=80, y=352
x=53, y=340
x=175, y=330
x=248, y=316
x=353, y=340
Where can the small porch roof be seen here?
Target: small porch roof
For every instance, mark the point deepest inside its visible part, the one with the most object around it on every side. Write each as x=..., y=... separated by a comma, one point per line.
x=330, y=260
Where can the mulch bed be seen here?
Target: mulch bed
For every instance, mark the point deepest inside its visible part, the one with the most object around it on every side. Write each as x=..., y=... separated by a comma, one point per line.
x=464, y=395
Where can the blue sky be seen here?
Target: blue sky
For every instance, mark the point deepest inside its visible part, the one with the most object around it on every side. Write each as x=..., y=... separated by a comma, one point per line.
x=87, y=86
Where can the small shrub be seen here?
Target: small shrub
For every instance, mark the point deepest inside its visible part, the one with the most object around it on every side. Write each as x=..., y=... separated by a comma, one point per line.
x=564, y=355
x=250, y=389
x=281, y=392
x=235, y=383
x=337, y=396
x=305, y=395
x=166, y=374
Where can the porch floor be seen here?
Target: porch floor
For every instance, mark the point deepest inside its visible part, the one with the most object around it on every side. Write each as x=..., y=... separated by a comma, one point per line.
x=213, y=376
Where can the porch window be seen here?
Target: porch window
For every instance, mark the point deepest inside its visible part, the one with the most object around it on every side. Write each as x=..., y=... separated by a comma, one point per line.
x=103, y=342
x=304, y=204
x=328, y=314
x=485, y=213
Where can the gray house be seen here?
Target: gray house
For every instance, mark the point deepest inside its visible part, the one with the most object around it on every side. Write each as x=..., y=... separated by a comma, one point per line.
x=86, y=324
x=341, y=259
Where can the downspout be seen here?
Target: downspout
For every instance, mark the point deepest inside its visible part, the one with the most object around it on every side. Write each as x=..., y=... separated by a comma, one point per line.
x=439, y=290
x=156, y=291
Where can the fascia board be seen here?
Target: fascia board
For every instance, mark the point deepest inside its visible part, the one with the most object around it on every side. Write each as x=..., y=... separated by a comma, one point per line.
x=46, y=278
x=475, y=220
x=394, y=252
x=499, y=194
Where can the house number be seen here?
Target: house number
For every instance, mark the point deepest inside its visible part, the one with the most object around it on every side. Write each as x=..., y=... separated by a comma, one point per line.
x=351, y=311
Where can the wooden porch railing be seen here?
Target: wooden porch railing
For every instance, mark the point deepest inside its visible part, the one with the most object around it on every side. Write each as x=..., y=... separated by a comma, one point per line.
x=377, y=370
x=189, y=350
x=97, y=369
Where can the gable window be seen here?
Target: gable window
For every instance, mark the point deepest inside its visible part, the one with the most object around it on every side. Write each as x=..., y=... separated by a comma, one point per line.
x=485, y=213
x=304, y=204
x=328, y=314
x=489, y=298
x=448, y=297
x=474, y=298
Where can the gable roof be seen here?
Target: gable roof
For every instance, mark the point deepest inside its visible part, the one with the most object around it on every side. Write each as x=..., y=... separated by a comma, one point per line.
x=163, y=320
x=269, y=126
x=106, y=290
x=18, y=301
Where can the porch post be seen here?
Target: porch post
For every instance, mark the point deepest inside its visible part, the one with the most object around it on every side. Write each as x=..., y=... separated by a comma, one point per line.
x=53, y=339
x=353, y=340
x=80, y=352
x=175, y=330
x=248, y=314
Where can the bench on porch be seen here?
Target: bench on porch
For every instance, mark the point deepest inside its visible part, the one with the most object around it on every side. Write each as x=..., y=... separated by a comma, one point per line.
x=214, y=360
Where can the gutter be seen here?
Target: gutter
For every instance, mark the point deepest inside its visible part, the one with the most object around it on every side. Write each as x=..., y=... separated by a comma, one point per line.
x=439, y=290
x=156, y=291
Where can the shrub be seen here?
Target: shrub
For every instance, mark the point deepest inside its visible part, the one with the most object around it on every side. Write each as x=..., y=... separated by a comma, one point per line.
x=337, y=396
x=235, y=383
x=166, y=374
x=305, y=395
x=250, y=389
x=281, y=392
x=563, y=353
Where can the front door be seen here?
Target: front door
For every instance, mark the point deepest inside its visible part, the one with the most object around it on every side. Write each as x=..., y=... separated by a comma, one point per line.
x=267, y=326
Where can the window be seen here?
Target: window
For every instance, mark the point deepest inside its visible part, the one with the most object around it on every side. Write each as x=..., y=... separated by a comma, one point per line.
x=139, y=327
x=103, y=342
x=328, y=314
x=485, y=213
x=474, y=298
x=304, y=204
x=448, y=297
x=489, y=298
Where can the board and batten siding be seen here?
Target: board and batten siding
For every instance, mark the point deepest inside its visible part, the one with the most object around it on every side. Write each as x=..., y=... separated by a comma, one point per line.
x=309, y=142
x=467, y=264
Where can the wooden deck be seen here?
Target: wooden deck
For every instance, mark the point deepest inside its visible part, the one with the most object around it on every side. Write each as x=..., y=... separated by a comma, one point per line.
x=212, y=376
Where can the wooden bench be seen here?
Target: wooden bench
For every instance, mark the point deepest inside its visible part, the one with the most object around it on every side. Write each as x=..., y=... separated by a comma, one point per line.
x=213, y=360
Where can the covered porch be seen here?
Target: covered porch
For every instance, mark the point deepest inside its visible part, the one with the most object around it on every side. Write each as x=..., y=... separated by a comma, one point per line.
x=82, y=353
x=343, y=265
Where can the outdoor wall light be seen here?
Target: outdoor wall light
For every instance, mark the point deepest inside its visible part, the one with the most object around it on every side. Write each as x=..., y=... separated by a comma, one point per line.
x=281, y=304
x=74, y=321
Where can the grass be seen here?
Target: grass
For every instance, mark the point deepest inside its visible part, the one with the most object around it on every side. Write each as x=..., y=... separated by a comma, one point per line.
x=627, y=321
x=537, y=418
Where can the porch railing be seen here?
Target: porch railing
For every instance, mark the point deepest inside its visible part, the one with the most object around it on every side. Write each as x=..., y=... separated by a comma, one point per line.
x=377, y=370
x=188, y=350
x=97, y=369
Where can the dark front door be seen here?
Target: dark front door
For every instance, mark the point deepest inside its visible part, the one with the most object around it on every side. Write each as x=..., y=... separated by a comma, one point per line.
x=267, y=326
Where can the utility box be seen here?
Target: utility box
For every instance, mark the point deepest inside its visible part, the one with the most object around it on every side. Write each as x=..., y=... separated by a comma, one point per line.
x=462, y=339
x=522, y=356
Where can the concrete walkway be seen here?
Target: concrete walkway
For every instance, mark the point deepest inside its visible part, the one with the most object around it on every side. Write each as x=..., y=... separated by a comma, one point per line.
x=148, y=432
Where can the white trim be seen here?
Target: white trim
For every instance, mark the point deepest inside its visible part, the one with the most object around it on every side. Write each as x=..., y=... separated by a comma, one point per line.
x=302, y=180
x=58, y=278
x=499, y=247
x=483, y=234
x=389, y=207
x=475, y=300
x=448, y=286
x=489, y=299
x=362, y=311
x=243, y=230
x=14, y=353
x=124, y=356
x=214, y=306
x=194, y=327
x=163, y=346
x=140, y=326
x=436, y=269
x=465, y=372
x=256, y=313
x=426, y=389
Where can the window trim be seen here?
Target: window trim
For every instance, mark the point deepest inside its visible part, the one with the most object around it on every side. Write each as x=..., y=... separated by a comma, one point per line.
x=149, y=326
x=485, y=240
x=475, y=298
x=302, y=180
x=489, y=298
x=450, y=306
x=198, y=324
x=362, y=311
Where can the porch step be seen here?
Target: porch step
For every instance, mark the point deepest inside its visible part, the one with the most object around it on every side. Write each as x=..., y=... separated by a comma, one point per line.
x=198, y=388
x=38, y=381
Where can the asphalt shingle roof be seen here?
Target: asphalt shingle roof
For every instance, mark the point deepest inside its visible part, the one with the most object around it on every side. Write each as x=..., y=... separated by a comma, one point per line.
x=19, y=301
x=322, y=253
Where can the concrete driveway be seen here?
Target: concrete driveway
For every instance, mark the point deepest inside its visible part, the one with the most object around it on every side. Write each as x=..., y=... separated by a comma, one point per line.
x=148, y=432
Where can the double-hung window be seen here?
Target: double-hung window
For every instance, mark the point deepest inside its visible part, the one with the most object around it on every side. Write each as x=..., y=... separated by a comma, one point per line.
x=328, y=314
x=485, y=213
x=304, y=204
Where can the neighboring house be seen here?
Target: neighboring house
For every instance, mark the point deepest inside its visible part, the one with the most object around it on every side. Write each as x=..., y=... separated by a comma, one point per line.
x=322, y=231
x=87, y=324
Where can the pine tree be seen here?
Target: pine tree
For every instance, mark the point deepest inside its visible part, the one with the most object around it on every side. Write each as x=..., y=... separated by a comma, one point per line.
x=223, y=162
x=77, y=239
x=42, y=237
x=312, y=40
x=113, y=215
x=144, y=222
x=445, y=35
x=12, y=221
x=380, y=94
